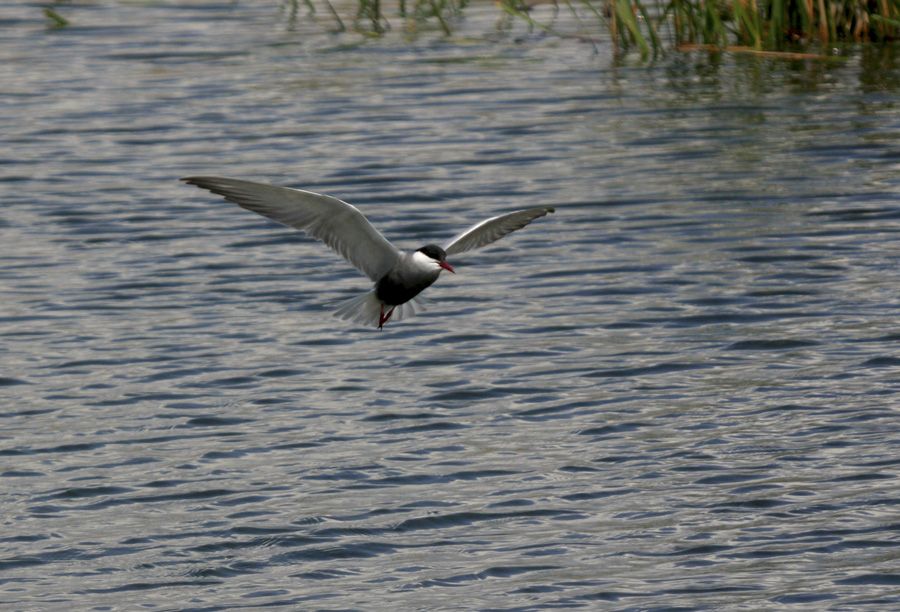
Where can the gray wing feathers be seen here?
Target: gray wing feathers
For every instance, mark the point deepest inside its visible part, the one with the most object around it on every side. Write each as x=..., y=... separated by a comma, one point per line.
x=493, y=229
x=335, y=222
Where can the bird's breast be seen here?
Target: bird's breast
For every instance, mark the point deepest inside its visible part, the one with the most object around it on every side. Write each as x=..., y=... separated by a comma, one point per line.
x=401, y=285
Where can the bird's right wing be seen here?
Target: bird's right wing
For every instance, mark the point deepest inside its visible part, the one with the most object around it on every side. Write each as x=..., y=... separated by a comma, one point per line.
x=493, y=229
x=335, y=222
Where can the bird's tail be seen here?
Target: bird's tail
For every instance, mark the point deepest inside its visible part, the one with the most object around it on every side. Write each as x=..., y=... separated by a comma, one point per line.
x=366, y=309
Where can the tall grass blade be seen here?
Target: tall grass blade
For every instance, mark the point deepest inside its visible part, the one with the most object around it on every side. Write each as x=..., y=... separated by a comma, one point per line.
x=625, y=15
x=56, y=20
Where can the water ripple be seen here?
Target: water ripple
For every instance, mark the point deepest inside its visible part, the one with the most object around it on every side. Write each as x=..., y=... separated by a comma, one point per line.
x=677, y=392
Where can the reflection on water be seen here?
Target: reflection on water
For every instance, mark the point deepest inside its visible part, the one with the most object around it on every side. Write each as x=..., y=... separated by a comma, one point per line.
x=678, y=391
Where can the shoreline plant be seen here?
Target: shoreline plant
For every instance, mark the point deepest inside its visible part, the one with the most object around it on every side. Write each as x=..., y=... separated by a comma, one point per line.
x=655, y=26
x=652, y=27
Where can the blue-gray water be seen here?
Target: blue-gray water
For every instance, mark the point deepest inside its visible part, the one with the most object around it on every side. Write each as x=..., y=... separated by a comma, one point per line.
x=678, y=391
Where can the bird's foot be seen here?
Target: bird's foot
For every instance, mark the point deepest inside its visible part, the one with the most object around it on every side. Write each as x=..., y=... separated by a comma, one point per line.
x=383, y=318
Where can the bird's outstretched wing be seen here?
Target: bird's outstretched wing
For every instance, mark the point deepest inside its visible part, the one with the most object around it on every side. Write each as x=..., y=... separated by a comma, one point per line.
x=336, y=223
x=493, y=229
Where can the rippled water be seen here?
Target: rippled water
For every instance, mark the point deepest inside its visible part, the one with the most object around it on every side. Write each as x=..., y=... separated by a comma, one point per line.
x=678, y=391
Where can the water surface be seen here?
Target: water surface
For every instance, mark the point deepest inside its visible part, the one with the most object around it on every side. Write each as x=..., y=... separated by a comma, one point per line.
x=677, y=391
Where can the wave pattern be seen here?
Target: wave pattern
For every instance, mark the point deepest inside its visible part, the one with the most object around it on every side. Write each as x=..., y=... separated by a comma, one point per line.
x=677, y=392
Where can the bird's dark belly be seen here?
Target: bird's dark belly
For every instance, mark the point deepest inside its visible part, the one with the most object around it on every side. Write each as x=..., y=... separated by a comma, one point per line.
x=395, y=292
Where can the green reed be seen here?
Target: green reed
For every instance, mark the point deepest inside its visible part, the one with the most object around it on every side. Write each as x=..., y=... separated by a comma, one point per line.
x=54, y=19
x=372, y=18
x=654, y=26
x=774, y=25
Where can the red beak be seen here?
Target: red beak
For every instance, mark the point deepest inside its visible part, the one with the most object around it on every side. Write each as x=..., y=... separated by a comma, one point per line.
x=447, y=267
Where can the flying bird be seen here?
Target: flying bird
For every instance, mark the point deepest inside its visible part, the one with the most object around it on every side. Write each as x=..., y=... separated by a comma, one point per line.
x=399, y=277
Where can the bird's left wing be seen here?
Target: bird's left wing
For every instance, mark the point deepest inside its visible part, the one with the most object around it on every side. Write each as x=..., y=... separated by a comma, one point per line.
x=494, y=229
x=335, y=222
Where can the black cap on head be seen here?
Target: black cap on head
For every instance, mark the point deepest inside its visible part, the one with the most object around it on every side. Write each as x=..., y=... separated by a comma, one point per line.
x=434, y=251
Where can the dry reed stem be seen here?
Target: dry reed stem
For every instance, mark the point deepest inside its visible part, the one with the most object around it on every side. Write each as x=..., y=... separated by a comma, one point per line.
x=823, y=21
x=688, y=47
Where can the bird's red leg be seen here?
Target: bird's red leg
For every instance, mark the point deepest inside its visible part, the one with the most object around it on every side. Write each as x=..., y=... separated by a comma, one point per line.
x=383, y=318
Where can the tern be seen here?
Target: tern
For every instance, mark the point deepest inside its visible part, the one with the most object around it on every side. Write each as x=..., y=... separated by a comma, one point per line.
x=399, y=277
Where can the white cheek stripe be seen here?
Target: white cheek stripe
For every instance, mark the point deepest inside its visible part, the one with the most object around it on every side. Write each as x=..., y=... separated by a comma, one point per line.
x=424, y=261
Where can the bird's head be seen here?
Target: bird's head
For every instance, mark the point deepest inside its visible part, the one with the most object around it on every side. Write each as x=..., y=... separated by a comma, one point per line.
x=433, y=255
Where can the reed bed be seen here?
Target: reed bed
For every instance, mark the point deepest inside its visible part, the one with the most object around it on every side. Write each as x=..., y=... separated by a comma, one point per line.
x=651, y=26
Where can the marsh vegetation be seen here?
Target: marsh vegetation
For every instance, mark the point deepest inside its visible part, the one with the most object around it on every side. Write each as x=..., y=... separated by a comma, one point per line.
x=650, y=26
